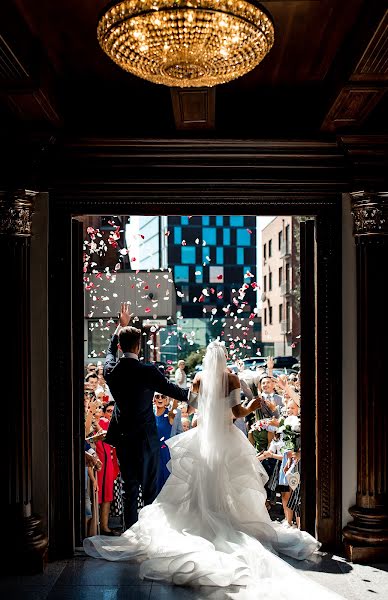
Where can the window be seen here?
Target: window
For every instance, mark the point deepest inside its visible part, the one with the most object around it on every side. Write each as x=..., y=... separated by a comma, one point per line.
x=265, y=283
x=198, y=274
x=188, y=255
x=265, y=252
x=209, y=235
x=280, y=275
x=269, y=282
x=97, y=343
x=280, y=239
x=269, y=248
x=237, y=221
x=220, y=256
x=288, y=315
x=181, y=273
x=265, y=316
x=216, y=274
x=243, y=237
x=205, y=253
x=219, y=220
x=226, y=233
x=185, y=220
x=177, y=235
x=288, y=272
x=288, y=239
x=280, y=313
x=240, y=256
x=205, y=221
x=247, y=270
x=185, y=291
x=270, y=314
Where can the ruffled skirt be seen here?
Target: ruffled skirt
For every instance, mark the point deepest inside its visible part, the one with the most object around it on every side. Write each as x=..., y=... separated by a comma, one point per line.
x=210, y=526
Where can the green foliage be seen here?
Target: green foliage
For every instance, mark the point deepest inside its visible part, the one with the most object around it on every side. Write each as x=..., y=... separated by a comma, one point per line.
x=194, y=359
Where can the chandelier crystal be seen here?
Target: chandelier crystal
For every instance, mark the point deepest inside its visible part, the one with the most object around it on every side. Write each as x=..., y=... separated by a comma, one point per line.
x=186, y=43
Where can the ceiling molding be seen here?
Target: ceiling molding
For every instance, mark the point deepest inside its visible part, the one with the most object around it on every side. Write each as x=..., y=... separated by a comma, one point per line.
x=358, y=97
x=373, y=65
x=352, y=107
x=27, y=80
x=368, y=160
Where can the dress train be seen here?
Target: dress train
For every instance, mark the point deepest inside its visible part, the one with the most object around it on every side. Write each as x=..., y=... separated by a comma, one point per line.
x=209, y=527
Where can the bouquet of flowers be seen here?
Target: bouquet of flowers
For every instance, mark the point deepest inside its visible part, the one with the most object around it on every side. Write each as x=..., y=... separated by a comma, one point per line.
x=290, y=428
x=260, y=425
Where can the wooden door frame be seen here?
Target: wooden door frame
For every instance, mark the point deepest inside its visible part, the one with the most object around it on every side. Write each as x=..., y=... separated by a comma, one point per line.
x=196, y=192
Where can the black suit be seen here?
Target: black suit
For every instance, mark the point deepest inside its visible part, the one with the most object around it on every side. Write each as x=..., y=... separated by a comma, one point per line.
x=132, y=429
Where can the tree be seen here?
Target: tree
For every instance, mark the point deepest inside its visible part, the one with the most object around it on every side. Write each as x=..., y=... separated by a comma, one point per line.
x=194, y=359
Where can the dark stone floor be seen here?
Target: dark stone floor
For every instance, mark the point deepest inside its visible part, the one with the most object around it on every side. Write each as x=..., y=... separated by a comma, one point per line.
x=84, y=578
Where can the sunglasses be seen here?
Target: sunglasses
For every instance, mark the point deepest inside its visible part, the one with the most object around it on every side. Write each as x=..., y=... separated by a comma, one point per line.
x=157, y=396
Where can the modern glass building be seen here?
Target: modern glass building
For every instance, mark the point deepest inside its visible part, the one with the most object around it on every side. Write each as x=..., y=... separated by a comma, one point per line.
x=210, y=257
x=147, y=242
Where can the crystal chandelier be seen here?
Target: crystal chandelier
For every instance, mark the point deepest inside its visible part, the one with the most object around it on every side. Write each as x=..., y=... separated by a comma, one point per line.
x=186, y=43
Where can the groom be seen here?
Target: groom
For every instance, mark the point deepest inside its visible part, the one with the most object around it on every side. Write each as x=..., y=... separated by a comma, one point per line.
x=132, y=429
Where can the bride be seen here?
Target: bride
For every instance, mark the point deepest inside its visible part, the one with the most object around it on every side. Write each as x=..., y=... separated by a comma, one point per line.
x=209, y=525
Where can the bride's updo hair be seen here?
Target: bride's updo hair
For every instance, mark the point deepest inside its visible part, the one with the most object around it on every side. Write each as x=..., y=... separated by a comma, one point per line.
x=215, y=357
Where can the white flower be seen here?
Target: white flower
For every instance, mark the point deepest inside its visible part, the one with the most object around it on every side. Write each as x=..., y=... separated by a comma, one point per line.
x=293, y=422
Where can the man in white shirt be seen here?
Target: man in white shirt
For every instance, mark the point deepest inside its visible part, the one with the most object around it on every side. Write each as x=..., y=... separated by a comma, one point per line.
x=180, y=375
x=272, y=401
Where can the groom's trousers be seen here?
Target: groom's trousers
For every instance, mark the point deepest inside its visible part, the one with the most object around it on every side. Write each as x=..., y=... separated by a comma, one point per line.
x=139, y=461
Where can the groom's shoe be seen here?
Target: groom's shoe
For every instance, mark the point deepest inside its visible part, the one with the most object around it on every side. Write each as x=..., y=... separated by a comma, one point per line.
x=111, y=533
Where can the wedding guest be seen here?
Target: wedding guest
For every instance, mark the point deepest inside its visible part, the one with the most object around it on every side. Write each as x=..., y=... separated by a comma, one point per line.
x=246, y=394
x=92, y=380
x=186, y=424
x=286, y=466
x=294, y=501
x=92, y=464
x=180, y=374
x=167, y=426
x=274, y=452
x=102, y=383
x=270, y=397
x=107, y=475
x=173, y=407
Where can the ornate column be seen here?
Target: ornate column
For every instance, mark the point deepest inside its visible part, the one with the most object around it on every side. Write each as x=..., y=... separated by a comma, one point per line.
x=366, y=537
x=26, y=542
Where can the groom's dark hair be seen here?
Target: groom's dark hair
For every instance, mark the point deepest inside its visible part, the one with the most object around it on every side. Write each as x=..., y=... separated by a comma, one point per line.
x=129, y=338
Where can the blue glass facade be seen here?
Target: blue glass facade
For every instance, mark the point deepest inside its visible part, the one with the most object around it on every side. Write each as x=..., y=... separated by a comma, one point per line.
x=219, y=265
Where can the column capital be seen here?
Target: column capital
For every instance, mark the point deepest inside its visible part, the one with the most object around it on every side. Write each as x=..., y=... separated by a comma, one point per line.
x=370, y=213
x=16, y=211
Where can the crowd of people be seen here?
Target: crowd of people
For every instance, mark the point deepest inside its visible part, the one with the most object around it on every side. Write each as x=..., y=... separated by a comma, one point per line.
x=273, y=429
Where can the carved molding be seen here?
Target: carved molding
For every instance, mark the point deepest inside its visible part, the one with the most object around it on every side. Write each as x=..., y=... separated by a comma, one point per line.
x=352, y=106
x=16, y=212
x=370, y=213
x=373, y=65
x=194, y=108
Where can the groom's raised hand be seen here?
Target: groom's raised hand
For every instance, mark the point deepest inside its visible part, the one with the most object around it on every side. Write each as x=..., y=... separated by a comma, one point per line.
x=125, y=315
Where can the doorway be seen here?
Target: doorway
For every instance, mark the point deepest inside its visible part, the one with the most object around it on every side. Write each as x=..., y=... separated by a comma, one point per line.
x=324, y=458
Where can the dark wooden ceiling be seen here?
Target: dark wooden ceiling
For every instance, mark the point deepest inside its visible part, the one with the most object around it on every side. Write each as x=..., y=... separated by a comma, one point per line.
x=327, y=72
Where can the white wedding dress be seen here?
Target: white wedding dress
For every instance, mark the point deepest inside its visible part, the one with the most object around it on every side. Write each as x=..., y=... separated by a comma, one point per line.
x=209, y=525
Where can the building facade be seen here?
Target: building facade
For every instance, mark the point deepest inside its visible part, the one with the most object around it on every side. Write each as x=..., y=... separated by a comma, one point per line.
x=212, y=258
x=147, y=242
x=281, y=285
